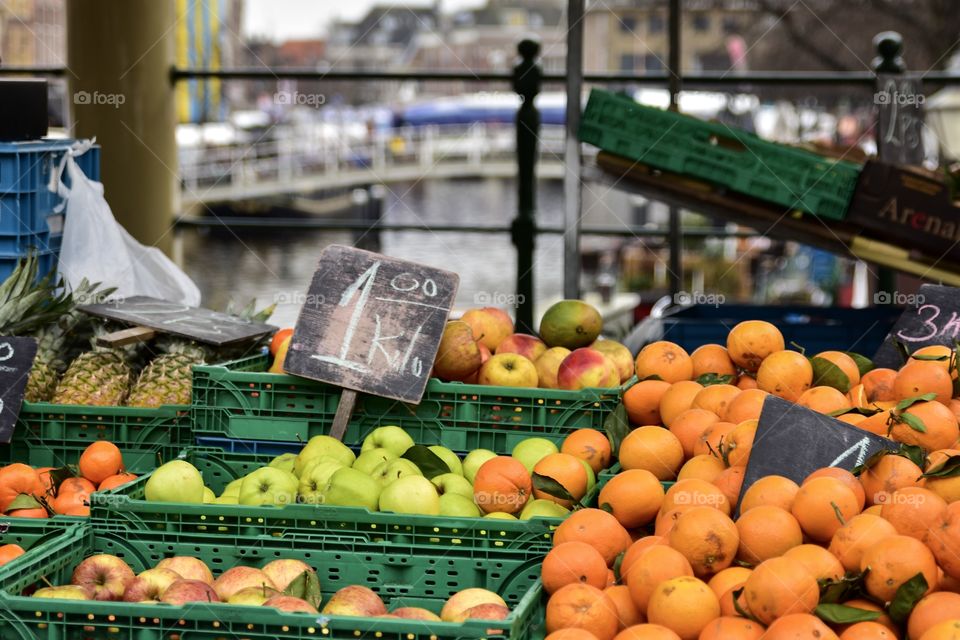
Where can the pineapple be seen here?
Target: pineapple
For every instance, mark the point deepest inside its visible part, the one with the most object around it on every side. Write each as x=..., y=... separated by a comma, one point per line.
x=168, y=379
x=98, y=377
x=42, y=382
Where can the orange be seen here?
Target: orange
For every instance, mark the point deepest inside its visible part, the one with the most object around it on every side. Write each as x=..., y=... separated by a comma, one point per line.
x=654, y=449
x=685, y=605
x=919, y=377
x=568, y=471
x=581, y=606
x=589, y=445
x=818, y=562
x=746, y=406
x=859, y=533
x=732, y=628
x=931, y=610
x=728, y=607
x=100, y=460
x=677, y=399
x=852, y=418
x=33, y=512
x=728, y=578
x=868, y=605
x=634, y=497
x=668, y=361
x=503, y=484
x=642, y=401
x=886, y=475
x=844, y=476
x=947, y=630
x=690, y=425
x=954, y=405
x=822, y=506
x=946, y=488
x=76, y=485
x=697, y=493
x=646, y=631
x=10, y=551
x=116, y=480
x=740, y=443
x=893, y=561
x=712, y=358
x=767, y=532
x=598, y=529
x=730, y=481
x=823, y=399
x=913, y=510
x=668, y=518
x=69, y=501
x=797, y=626
x=627, y=613
x=633, y=553
x=715, y=398
x=278, y=338
x=878, y=384
x=878, y=423
x=46, y=480
x=775, y=491
x=779, y=587
x=944, y=540
x=571, y=634
x=786, y=374
x=712, y=439
x=938, y=420
x=77, y=510
x=858, y=397
x=707, y=538
x=749, y=342
x=704, y=467
x=845, y=363
x=573, y=562
x=16, y=479
x=657, y=564
x=944, y=354
x=746, y=382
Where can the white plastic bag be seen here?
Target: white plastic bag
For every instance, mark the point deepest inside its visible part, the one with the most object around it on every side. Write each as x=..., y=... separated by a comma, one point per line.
x=95, y=246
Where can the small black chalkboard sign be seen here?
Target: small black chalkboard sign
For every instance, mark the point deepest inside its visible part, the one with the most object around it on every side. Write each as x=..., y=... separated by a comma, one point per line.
x=196, y=323
x=16, y=360
x=932, y=317
x=899, y=101
x=371, y=323
x=793, y=441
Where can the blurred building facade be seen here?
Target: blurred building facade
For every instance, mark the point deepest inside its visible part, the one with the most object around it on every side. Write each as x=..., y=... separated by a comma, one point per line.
x=33, y=33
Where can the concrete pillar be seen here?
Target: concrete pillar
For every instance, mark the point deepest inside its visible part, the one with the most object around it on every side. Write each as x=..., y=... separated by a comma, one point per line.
x=119, y=55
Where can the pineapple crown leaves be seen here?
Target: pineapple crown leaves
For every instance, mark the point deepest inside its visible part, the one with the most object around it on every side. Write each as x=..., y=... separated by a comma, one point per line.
x=26, y=304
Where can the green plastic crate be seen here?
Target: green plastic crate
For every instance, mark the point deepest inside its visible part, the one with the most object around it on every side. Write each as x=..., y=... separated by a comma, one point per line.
x=719, y=154
x=402, y=575
x=125, y=507
x=233, y=401
x=31, y=532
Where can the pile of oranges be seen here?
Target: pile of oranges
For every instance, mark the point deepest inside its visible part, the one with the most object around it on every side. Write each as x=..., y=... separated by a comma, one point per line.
x=871, y=555
x=26, y=492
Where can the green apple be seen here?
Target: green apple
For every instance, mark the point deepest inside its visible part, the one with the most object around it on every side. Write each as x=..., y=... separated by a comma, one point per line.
x=284, y=461
x=314, y=478
x=591, y=476
x=388, y=472
x=318, y=446
x=392, y=438
x=208, y=495
x=231, y=499
x=453, y=483
x=232, y=488
x=269, y=485
x=351, y=488
x=411, y=494
x=532, y=450
x=368, y=460
x=175, y=481
x=543, y=509
x=474, y=461
x=448, y=456
x=454, y=504
x=500, y=515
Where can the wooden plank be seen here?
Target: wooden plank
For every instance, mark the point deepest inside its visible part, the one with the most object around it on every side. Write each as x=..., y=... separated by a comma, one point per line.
x=126, y=336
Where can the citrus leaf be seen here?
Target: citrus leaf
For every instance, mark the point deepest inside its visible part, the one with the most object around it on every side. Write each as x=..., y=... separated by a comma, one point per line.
x=842, y=614
x=707, y=379
x=551, y=487
x=616, y=425
x=948, y=469
x=872, y=460
x=827, y=374
x=846, y=588
x=928, y=357
x=906, y=598
x=606, y=506
x=864, y=364
x=914, y=453
x=23, y=501
x=430, y=464
x=908, y=402
x=740, y=610
x=913, y=422
x=306, y=586
x=651, y=377
x=617, y=563
x=903, y=351
x=57, y=476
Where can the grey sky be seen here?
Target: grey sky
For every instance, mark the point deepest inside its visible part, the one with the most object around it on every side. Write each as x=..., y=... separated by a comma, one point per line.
x=285, y=19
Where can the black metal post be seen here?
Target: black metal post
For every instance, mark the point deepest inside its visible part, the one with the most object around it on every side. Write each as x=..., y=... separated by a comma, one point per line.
x=675, y=236
x=526, y=82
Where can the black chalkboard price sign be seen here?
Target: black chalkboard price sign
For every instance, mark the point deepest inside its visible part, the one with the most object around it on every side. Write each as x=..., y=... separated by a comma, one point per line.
x=932, y=317
x=793, y=441
x=899, y=101
x=196, y=323
x=16, y=360
x=371, y=323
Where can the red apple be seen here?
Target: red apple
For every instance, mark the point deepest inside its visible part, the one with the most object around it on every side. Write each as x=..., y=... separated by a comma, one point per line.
x=485, y=611
x=458, y=355
x=620, y=356
x=415, y=613
x=508, y=370
x=484, y=356
x=240, y=577
x=150, y=584
x=253, y=596
x=291, y=604
x=188, y=567
x=549, y=364
x=530, y=347
x=105, y=577
x=355, y=601
x=183, y=591
x=284, y=571
x=461, y=601
x=490, y=325
x=586, y=367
